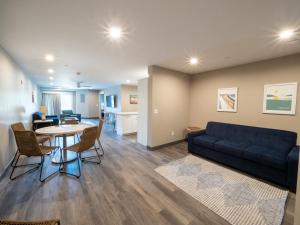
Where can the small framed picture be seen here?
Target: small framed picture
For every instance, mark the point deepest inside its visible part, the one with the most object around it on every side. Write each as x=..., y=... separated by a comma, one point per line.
x=280, y=98
x=133, y=99
x=227, y=99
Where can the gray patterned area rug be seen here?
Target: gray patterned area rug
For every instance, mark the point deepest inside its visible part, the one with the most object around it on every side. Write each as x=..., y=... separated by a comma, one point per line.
x=237, y=198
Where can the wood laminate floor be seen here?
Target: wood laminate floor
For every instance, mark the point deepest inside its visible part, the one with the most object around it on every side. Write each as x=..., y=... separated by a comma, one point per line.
x=124, y=189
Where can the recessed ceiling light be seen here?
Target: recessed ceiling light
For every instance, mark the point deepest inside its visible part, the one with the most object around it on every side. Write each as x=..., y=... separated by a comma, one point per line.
x=49, y=58
x=194, y=60
x=127, y=81
x=50, y=71
x=286, y=34
x=115, y=33
x=51, y=78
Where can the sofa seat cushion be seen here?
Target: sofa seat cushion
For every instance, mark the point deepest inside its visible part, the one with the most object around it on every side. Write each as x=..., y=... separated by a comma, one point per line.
x=205, y=141
x=266, y=156
x=230, y=147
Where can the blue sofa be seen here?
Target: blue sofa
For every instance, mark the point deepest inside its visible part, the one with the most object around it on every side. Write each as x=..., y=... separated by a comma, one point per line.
x=69, y=113
x=38, y=116
x=266, y=153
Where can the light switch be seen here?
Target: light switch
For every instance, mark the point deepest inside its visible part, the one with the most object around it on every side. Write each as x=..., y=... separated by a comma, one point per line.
x=155, y=111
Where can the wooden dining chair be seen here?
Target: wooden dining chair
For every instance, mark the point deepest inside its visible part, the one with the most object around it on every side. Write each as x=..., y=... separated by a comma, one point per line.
x=87, y=141
x=42, y=139
x=41, y=222
x=28, y=145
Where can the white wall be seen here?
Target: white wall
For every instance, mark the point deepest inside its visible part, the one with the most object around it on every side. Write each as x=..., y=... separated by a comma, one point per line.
x=122, y=92
x=90, y=108
x=115, y=90
x=142, y=132
x=16, y=104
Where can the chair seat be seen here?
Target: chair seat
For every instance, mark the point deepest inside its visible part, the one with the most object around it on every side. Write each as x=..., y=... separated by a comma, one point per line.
x=74, y=148
x=231, y=148
x=205, y=141
x=43, y=138
x=47, y=149
x=266, y=156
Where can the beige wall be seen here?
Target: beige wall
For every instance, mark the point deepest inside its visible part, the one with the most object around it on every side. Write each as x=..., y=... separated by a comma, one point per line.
x=126, y=91
x=169, y=96
x=142, y=131
x=16, y=104
x=250, y=80
x=91, y=107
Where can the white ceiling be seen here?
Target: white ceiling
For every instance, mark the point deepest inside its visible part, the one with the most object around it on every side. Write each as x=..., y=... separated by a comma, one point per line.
x=158, y=32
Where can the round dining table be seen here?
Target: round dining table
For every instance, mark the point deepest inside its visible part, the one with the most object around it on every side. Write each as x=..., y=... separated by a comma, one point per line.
x=64, y=131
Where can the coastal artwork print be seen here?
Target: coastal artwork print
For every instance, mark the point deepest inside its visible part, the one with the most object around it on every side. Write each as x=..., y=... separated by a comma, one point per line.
x=227, y=99
x=280, y=98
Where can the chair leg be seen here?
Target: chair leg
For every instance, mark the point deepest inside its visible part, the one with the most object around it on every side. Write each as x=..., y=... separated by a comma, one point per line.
x=78, y=163
x=42, y=165
x=41, y=170
x=100, y=146
x=91, y=157
x=12, y=162
x=61, y=161
x=15, y=165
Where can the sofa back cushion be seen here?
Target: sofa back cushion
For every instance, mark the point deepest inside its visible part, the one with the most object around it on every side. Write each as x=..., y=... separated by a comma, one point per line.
x=275, y=139
x=67, y=112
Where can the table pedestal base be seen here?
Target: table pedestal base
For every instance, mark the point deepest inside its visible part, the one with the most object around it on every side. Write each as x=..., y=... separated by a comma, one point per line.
x=69, y=157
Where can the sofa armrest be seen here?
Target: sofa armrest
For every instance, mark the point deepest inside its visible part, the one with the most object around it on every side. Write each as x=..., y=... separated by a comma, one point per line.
x=79, y=116
x=293, y=158
x=195, y=134
x=192, y=135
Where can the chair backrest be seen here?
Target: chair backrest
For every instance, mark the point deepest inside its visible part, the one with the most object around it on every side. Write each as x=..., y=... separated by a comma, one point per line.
x=68, y=121
x=27, y=143
x=17, y=127
x=88, y=138
x=100, y=126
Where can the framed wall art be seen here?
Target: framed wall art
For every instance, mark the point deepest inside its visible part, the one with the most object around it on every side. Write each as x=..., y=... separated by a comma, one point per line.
x=133, y=99
x=280, y=98
x=227, y=99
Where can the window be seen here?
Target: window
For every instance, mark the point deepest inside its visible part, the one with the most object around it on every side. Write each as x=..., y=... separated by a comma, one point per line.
x=67, y=101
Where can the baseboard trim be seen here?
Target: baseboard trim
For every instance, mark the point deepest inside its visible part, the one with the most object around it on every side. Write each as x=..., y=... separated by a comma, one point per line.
x=165, y=145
